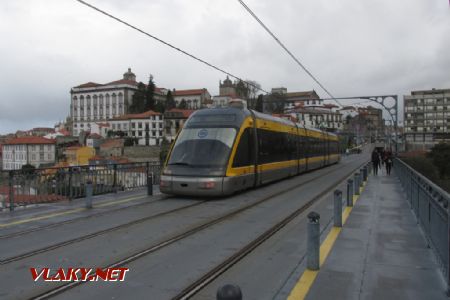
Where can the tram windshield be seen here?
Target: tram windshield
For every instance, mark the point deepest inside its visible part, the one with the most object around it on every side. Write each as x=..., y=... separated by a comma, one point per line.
x=203, y=147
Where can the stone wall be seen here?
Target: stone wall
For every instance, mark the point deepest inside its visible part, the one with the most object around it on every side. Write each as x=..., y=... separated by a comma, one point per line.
x=142, y=153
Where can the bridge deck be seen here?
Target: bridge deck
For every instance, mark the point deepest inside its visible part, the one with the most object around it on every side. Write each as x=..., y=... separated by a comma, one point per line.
x=381, y=252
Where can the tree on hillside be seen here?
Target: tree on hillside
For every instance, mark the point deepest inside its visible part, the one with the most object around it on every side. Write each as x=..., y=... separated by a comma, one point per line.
x=160, y=107
x=150, y=95
x=242, y=90
x=440, y=154
x=183, y=104
x=170, y=101
x=138, y=99
x=253, y=89
x=259, y=103
x=275, y=103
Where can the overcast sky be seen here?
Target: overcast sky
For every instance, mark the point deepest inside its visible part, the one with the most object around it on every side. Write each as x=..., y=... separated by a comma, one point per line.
x=353, y=47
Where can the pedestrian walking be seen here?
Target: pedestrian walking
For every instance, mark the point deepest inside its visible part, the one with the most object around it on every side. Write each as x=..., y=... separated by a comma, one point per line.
x=375, y=161
x=388, y=162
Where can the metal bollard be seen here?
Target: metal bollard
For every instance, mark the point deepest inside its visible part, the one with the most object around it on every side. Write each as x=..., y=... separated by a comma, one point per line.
x=365, y=173
x=229, y=292
x=337, y=208
x=369, y=168
x=350, y=192
x=356, y=184
x=89, y=194
x=149, y=184
x=313, y=243
x=11, y=190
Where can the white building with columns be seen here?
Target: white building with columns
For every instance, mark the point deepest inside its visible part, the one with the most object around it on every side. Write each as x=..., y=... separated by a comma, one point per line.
x=97, y=103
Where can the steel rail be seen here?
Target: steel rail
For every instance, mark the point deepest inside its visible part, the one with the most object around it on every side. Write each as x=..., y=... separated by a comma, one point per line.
x=191, y=231
x=214, y=273
x=95, y=234
x=23, y=232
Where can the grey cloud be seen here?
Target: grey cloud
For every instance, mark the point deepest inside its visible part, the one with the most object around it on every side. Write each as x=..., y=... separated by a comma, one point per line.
x=353, y=47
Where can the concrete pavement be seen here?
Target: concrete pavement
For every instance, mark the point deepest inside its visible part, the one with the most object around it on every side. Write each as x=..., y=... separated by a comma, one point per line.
x=381, y=252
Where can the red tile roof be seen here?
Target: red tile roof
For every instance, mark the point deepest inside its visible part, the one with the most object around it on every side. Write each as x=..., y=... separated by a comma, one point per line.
x=64, y=132
x=73, y=148
x=29, y=140
x=330, y=105
x=186, y=112
x=144, y=115
x=103, y=124
x=123, y=81
x=112, y=143
x=95, y=136
x=48, y=129
x=300, y=94
x=116, y=82
x=96, y=157
x=188, y=92
x=88, y=85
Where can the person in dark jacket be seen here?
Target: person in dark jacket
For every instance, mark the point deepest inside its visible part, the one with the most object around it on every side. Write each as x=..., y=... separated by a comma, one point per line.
x=375, y=161
x=388, y=162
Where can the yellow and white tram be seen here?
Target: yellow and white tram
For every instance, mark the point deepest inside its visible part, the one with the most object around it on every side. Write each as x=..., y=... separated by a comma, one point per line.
x=221, y=151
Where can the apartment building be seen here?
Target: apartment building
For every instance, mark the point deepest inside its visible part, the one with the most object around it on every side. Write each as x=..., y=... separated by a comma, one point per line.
x=426, y=118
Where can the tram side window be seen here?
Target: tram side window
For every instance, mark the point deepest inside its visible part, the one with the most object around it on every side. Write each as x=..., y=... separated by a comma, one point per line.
x=270, y=145
x=313, y=147
x=245, y=151
x=300, y=146
x=292, y=146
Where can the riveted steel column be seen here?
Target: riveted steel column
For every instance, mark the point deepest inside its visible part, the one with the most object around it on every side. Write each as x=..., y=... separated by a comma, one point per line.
x=89, y=191
x=11, y=190
x=365, y=173
x=313, y=243
x=356, y=183
x=337, y=208
x=149, y=184
x=350, y=192
x=115, y=178
x=361, y=177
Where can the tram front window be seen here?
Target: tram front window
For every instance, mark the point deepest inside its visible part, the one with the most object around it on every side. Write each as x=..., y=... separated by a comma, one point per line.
x=203, y=147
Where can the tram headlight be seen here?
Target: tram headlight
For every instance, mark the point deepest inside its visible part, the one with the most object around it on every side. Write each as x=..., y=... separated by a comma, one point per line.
x=207, y=185
x=164, y=183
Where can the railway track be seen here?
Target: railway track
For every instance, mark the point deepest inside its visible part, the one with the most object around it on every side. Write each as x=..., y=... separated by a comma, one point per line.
x=214, y=273
x=23, y=232
x=94, y=234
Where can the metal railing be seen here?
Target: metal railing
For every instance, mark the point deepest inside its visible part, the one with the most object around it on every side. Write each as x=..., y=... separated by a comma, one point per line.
x=24, y=187
x=430, y=204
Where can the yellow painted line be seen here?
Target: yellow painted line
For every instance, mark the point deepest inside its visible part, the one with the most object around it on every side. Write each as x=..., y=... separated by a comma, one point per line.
x=41, y=217
x=346, y=214
x=119, y=201
x=308, y=277
x=302, y=287
x=72, y=211
x=328, y=243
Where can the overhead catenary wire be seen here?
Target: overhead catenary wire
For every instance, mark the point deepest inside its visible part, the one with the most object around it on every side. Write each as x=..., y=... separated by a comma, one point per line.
x=170, y=45
x=287, y=50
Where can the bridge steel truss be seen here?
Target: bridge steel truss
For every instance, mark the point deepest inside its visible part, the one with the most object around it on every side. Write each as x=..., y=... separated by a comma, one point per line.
x=391, y=109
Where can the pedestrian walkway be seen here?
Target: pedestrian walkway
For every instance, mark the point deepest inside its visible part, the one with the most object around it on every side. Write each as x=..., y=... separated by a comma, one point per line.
x=381, y=252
